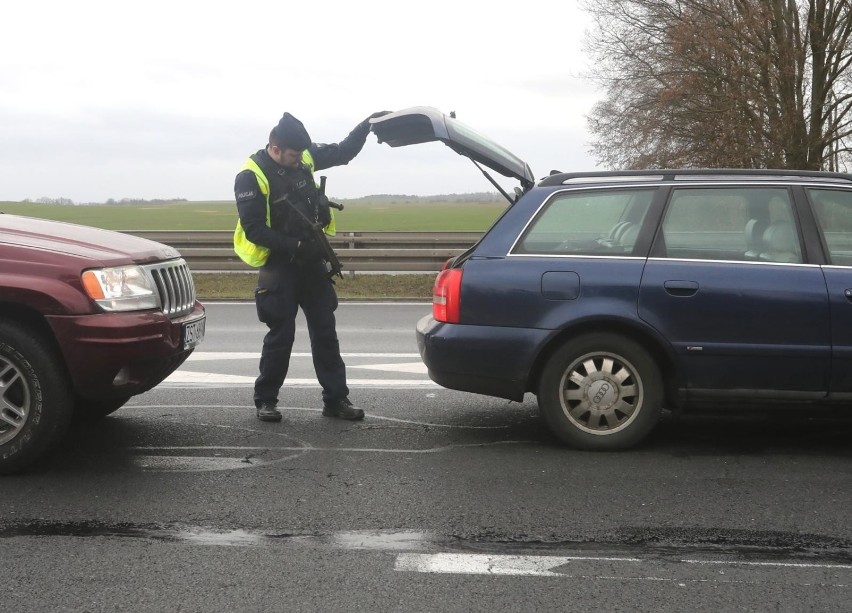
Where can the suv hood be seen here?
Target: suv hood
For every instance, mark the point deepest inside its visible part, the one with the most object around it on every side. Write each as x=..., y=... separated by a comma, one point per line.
x=424, y=124
x=104, y=246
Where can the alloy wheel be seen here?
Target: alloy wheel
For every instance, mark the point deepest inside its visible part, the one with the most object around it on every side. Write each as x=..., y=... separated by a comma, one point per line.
x=601, y=393
x=15, y=400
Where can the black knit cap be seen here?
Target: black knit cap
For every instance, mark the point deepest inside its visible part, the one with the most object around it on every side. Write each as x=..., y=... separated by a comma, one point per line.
x=291, y=133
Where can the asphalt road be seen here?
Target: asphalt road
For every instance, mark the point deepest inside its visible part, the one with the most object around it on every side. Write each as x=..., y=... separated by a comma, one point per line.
x=437, y=501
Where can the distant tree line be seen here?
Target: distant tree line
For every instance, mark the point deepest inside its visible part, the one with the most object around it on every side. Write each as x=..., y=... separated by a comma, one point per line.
x=722, y=83
x=469, y=197
x=48, y=201
x=143, y=201
x=68, y=201
x=396, y=198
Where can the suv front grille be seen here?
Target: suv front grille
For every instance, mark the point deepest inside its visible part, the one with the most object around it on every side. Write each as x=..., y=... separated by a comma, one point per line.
x=174, y=285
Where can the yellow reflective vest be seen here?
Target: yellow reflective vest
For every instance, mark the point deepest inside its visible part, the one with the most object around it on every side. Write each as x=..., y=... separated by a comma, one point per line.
x=257, y=255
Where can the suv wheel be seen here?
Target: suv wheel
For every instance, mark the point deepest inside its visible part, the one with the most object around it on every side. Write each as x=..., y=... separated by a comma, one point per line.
x=601, y=391
x=35, y=397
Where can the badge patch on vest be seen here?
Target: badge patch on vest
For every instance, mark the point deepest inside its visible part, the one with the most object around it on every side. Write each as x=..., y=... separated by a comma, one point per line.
x=246, y=195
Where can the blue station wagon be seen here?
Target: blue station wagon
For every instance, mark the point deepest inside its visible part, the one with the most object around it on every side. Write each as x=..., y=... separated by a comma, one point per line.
x=614, y=295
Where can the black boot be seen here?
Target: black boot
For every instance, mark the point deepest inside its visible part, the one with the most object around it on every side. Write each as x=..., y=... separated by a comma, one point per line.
x=266, y=411
x=342, y=408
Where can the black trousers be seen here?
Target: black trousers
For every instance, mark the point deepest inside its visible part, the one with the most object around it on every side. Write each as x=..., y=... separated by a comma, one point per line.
x=282, y=289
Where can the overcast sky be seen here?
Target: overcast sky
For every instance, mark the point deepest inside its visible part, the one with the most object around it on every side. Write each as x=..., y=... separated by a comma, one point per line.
x=163, y=99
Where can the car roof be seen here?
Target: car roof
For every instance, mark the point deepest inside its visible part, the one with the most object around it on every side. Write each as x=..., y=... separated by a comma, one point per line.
x=694, y=174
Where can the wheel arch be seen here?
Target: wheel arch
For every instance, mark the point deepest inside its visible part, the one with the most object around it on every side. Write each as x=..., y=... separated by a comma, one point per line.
x=656, y=347
x=41, y=383
x=29, y=317
x=33, y=320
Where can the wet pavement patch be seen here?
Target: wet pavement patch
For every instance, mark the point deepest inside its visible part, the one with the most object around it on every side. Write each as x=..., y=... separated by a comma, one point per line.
x=641, y=541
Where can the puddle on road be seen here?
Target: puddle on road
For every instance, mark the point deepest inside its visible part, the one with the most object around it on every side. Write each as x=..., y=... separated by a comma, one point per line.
x=382, y=541
x=182, y=463
x=660, y=543
x=230, y=538
x=355, y=539
x=215, y=458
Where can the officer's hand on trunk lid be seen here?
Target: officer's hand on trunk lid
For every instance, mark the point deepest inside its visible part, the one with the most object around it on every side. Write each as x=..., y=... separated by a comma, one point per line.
x=366, y=123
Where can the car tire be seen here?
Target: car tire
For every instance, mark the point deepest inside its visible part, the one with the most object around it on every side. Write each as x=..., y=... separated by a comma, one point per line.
x=35, y=397
x=88, y=410
x=601, y=391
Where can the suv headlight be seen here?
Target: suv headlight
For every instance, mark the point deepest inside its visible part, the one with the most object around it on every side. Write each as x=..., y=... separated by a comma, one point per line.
x=124, y=288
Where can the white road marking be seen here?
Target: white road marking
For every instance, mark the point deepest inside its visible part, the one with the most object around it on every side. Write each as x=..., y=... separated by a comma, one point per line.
x=209, y=356
x=343, y=303
x=208, y=379
x=485, y=564
x=411, y=367
x=184, y=377
x=632, y=569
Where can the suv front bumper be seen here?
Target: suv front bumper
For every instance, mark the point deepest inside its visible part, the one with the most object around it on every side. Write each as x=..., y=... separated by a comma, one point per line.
x=122, y=354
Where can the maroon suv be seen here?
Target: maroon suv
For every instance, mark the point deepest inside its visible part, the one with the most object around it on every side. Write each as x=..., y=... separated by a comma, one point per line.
x=88, y=318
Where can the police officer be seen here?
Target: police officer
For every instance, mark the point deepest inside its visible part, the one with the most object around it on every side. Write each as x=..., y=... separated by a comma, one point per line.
x=273, y=235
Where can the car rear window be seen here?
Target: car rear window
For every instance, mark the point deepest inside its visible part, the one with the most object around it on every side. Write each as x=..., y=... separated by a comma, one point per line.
x=589, y=222
x=833, y=208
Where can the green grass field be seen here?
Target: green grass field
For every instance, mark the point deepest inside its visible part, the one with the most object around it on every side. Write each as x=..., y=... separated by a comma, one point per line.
x=224, y=286
x=367, y=215
x=379, y=215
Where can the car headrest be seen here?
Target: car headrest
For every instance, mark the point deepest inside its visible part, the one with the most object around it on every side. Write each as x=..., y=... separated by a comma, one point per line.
x=779, y=236
x=754, y=231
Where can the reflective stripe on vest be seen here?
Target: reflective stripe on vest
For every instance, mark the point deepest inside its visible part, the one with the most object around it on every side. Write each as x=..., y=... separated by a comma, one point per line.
x=251, y=254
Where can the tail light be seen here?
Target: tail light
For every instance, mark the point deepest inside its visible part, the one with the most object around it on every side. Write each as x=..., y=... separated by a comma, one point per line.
x=446, y=297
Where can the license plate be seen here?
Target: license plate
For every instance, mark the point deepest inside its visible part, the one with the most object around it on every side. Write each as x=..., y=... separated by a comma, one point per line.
x=193, y=332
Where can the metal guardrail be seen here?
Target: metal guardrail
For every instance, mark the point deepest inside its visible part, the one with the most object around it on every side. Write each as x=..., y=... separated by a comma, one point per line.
x=207, y=251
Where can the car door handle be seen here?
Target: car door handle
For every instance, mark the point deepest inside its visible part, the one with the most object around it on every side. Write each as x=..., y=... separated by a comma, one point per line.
x=848, y=294
x=681, y=288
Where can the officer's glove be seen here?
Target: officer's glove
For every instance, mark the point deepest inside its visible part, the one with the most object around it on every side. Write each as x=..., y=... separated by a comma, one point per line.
x=378, y=114
x=365, y=125
x=323, y=212
x=309, y=251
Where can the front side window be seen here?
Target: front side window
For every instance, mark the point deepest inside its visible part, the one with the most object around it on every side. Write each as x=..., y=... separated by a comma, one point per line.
x=833, y=208
x=594, y=222
x=736, y=223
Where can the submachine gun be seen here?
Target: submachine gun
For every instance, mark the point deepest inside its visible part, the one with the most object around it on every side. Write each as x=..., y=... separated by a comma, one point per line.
x=314, y=228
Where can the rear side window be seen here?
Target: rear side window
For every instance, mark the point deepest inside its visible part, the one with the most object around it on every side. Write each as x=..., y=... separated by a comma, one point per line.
x=602, y=222
x=833, y=208
x=737, y=224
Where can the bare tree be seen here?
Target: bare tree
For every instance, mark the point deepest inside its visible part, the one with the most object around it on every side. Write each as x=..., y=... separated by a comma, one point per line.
x=722, y=83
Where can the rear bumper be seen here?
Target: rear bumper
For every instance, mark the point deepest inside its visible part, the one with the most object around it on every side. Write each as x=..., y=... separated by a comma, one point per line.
x=489, y=360
x=144, y=347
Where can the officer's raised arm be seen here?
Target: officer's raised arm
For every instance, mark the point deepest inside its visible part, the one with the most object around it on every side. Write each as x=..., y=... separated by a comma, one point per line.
x=339, y=154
